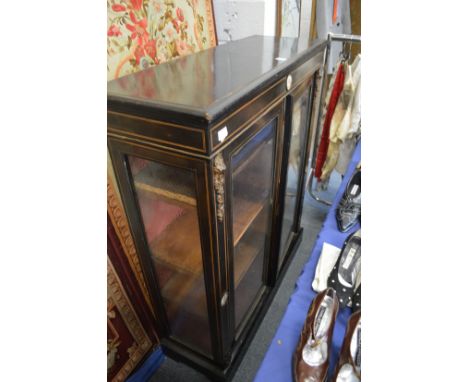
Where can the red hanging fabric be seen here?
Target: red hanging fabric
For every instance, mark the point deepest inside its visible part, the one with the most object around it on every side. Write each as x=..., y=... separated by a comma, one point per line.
x=325, y=139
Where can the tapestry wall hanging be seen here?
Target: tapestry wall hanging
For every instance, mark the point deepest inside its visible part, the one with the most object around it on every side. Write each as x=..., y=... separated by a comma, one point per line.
x=127, y=340
x=142, y=33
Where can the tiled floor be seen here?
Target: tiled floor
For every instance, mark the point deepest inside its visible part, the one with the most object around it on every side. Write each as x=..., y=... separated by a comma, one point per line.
x=312, y=218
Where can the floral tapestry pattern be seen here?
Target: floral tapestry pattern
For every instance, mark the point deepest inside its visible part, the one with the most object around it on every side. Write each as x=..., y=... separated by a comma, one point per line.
x=142, y=33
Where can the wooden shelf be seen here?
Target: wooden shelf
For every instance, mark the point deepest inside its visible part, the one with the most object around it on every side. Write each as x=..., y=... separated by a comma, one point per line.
x=247, y=289
x=166, y=194
x=159, y=179
x=179, y=292
x=178, y=282
x=251, y=187
x=246, y=211
x=250, y=247
x=245, y=255
x=179, y=245
x=176, y=254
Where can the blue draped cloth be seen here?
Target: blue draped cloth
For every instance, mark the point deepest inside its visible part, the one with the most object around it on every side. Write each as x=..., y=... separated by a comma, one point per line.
x=277, y=364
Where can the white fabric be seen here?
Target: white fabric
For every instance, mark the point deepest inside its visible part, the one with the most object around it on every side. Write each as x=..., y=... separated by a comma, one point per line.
x=349, y=125
x=346, y=153
x=326, y=262
x=346, y=121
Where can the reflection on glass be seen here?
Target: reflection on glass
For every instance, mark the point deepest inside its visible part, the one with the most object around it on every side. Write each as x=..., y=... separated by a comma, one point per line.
x=252, y=168
x=297, y=146
x=168, y=206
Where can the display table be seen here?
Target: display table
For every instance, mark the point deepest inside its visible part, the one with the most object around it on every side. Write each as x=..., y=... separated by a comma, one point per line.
x=277, y=364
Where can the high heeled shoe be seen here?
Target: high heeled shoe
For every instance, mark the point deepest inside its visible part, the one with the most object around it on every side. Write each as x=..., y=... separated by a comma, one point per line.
x=348, y=368
x=356, y=305
x=348, y=211
x=344, y=275
x=312, y=355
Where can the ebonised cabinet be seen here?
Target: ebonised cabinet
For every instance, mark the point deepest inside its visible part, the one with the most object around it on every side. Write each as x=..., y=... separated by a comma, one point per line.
x=209, y=152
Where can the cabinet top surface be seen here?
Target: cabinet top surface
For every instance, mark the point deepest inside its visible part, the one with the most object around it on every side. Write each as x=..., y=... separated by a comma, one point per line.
x=206, y=83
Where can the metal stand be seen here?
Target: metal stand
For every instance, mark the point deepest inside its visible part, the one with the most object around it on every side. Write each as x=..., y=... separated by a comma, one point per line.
x=331, y=37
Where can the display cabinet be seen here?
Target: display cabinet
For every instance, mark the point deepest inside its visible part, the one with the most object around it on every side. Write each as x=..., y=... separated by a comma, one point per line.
x=209, y=152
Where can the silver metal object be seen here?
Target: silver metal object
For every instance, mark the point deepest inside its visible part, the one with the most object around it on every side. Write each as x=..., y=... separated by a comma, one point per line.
x=331, y=37
x=345, y=37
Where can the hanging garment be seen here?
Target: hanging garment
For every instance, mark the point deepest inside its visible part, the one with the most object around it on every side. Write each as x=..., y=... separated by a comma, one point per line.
x=350, y=140
x=345, y=154
x=334, y=91
x=345, y=123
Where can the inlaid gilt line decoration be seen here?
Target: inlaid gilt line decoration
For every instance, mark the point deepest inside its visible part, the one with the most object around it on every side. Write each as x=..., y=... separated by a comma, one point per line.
x=219, y=169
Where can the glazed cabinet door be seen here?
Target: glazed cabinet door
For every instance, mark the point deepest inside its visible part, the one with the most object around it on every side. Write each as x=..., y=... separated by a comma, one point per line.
x=165, y=196
x=298, y=118
x=251, y=189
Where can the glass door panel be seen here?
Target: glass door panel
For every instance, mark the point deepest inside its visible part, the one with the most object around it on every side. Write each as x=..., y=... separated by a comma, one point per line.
x=252, y=179
x=168, y=206
x=296, y=151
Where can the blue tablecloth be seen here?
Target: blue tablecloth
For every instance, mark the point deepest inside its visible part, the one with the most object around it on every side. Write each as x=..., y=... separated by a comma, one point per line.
x=277, y=364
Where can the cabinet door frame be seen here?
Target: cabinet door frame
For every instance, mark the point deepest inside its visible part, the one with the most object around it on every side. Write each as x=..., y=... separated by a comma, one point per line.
x=275, y=112
x=119, y=150
x=306, y=86
x=313, y=84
